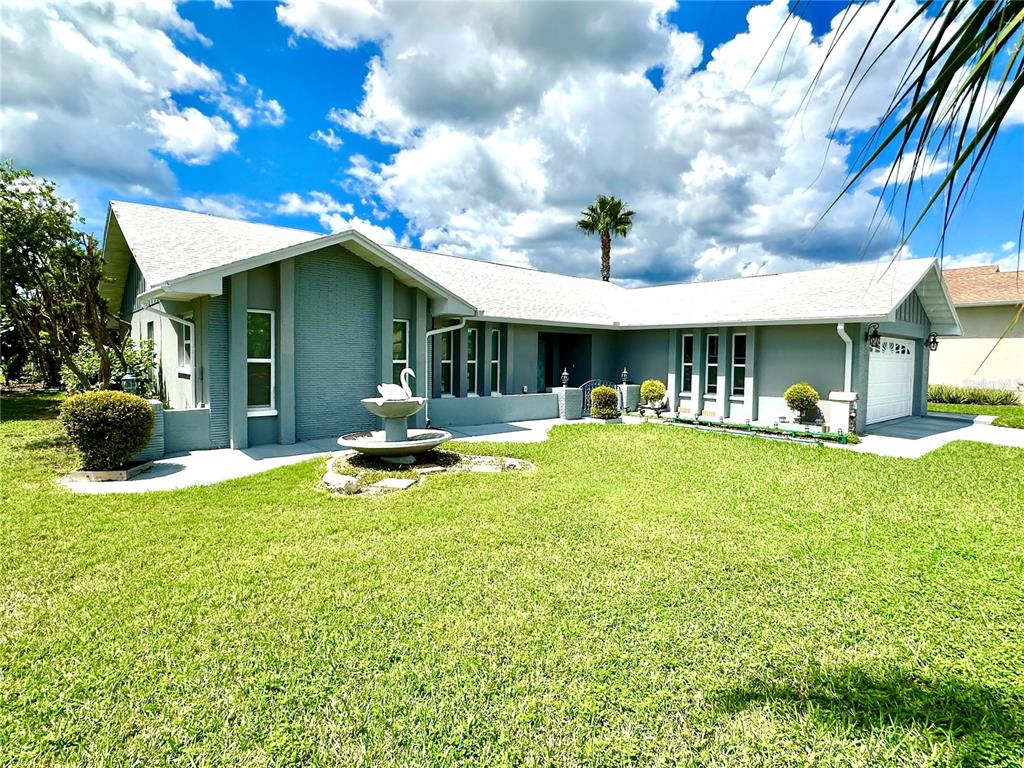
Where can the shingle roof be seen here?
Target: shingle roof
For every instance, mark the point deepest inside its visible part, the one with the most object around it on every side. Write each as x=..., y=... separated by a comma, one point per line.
x=984, y=285
x=171, y=245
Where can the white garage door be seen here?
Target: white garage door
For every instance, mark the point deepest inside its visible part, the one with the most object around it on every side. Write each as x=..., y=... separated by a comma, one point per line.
x=890, y=380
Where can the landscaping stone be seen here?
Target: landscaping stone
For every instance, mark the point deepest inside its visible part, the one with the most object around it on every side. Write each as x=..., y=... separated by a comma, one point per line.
x=340, y=483
x=428, y=469
x=394, y=483
x=485, y=468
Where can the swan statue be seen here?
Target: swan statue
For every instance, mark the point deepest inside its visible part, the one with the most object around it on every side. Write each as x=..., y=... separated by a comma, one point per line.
x=395, y=392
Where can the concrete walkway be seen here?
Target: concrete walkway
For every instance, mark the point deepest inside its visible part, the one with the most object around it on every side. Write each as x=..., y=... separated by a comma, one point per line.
x=914, y=436
x=208, y=467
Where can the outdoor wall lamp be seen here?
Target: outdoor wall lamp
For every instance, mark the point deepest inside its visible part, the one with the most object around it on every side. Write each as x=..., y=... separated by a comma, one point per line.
x=129, y=383
x=625, y=375
x=874, y=338
x=933, y=342
x=565, y=377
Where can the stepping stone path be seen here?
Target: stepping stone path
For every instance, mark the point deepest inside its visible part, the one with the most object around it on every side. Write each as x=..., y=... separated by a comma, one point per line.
x=429, y=469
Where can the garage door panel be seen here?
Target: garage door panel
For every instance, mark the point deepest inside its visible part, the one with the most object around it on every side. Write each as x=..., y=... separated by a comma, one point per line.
x=890, y=380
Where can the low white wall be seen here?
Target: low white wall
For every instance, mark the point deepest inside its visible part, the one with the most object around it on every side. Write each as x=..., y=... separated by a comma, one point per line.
x=465, y=411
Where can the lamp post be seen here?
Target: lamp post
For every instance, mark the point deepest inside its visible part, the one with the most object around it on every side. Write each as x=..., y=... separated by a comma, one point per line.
x=130, y=384
x=625, y=375
x=565, y=377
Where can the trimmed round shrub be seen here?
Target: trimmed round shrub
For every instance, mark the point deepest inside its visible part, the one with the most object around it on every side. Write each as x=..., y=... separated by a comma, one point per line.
x=107, y=427
x=604, y=403
x=801, y=397
x=652, y=391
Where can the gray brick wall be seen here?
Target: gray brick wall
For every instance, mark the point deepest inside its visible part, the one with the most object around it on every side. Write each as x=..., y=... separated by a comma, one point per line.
x=337, y=316
x=217, y=370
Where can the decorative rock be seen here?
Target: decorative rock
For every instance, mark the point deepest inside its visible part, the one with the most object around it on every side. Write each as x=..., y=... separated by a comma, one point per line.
x=486, y=468
x=428, y=469
x=394, y=483
x=340, y=483
x=513, y=464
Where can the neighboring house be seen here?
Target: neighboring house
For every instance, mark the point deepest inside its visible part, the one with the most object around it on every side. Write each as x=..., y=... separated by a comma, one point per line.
x=991, y=351
x=267, y=334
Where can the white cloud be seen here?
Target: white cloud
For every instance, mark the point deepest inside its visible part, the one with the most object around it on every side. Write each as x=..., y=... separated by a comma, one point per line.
x=1007, y=262
x=222, y=4
x=91, y=93
x=191, y=136
x=328, y=138
x=509, y=119
x=334, y=216
x=911, y=166
x=230, y=206
x=1008, y=246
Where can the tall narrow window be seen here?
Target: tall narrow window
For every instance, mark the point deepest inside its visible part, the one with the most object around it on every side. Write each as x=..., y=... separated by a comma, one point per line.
x=687, y=363
x=472, y=385
x=446, y=364
x=495, y=362
x=739, y=363
x=711, y=382
x=260, y=360
x=399, y=349
x=184, y=347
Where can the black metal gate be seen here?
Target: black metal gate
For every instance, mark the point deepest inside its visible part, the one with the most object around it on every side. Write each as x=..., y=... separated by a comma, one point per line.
x=588, y=387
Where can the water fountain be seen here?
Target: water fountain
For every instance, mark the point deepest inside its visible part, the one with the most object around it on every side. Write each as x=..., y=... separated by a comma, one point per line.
x=396, y=443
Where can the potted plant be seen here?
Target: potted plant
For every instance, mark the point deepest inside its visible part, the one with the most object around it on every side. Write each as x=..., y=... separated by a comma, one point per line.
x=108, y=428
x=604, y=404
x=802, y=398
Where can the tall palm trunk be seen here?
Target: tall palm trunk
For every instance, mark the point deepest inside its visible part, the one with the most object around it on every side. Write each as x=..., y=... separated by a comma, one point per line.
x=606, y=255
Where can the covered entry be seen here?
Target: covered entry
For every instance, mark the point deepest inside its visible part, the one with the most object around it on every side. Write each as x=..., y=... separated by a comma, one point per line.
x=557, y=352
x=890, y=380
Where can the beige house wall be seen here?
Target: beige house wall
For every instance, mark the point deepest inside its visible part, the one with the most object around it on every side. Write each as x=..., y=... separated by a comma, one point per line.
x=979, y=357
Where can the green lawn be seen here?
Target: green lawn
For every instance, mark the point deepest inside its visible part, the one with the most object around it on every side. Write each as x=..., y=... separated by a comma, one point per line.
x=651, y=595
x=1006, y=415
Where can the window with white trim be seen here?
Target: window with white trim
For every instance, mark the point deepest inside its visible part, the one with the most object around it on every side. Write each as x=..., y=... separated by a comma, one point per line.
x=496, y=361
x=399, y=349
x=446, y=363
x=184, y=346
x=739, y=364
x=687, y=362
x=472, y=385
x=260, y=360
x=711, y=369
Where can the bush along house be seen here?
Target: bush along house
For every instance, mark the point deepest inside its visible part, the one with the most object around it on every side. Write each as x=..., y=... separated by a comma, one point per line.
x=266, y=334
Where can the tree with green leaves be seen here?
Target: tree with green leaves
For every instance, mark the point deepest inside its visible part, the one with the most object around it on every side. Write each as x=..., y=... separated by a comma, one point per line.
x=607, y=217
x=51, y=277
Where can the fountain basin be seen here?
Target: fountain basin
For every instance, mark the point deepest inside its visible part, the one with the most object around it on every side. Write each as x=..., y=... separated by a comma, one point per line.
x=393, y=409
x=395, y=451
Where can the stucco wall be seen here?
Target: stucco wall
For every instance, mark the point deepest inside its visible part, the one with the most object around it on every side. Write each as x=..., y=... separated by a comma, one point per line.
x=979, y=357
x=462, y=411
x=215, y=369
x=788, y=354
x=643, y=353
x=337, y=342
x=186, y=430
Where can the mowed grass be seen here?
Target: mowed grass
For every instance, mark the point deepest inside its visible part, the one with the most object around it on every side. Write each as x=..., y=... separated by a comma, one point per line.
x=649, y=596
x=1006, y=415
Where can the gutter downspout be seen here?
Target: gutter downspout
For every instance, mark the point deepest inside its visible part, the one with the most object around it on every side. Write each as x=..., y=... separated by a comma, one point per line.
x=848, y=370
x=192, y=327
x=430, y=359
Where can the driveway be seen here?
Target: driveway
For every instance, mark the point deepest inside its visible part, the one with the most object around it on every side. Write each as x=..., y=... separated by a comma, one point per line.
x=914, y=436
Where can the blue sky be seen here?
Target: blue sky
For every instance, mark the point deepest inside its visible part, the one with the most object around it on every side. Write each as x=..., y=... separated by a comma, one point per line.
x=479, y=129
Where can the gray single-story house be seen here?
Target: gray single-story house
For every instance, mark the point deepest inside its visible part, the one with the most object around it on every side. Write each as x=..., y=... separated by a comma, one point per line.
x=268, y=334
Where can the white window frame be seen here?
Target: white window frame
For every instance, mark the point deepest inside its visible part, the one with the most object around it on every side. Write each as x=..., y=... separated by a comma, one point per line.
x=262, y=410
x=495, y=361
x=693, y=349
x=186, y=346
x=395, y=361
x=449, y=361
x=710, y=380
x=739, y=370
x=472, y=381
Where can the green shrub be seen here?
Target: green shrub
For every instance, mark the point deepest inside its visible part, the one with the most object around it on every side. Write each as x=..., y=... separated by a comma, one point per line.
x=946, y=393
x=801, y=397
x=604, y=403
x=108, y=427
x=652, y=391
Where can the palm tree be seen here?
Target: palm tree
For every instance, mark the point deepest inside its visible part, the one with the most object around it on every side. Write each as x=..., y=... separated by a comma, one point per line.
x=607, y=217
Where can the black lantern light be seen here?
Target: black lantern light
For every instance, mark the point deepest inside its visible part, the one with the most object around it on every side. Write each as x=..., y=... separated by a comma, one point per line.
x=874, y=338
x=565, y=377
x=625, y=375
x=129, y=383
x=933, y=342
